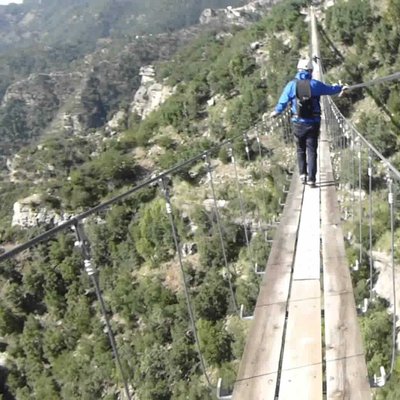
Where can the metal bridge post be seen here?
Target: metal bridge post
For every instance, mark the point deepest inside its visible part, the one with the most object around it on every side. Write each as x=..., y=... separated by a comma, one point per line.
x=257, y=271
x=219, y=396
x=380, y=381
x=242, y=317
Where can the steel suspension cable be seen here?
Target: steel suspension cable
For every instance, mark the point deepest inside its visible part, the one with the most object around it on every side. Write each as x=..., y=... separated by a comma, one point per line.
x=263, y=175
x=240, y=197
x=221, y=236
x=387, y=78
x=165, y=190
x=106, y=204
x=264, y=196
x=395, y=173
x=360, y=207
x=371, y=262
x=391, y=200
x=93, y=274
x=246, y=146
x=353, y=174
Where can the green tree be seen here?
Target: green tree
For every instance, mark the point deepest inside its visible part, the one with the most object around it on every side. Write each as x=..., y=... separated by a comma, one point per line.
x=376, y=329
x=46, y=388
x=215, y=342
x=152, y=234
x=212, y=300
x=9, y=322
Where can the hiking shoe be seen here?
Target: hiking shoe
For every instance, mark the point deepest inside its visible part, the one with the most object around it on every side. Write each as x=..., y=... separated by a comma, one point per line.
x=311, y=184
x=303, y=178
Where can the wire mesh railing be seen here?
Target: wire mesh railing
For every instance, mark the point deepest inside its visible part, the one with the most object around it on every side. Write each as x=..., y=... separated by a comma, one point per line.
x=197, y=234
x=368, y=184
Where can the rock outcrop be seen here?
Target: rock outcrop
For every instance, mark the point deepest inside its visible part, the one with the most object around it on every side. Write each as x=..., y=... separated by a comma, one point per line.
x=384, y=285
x=242, y=16
x=31, y=212
x=116, y=123
x=150, y=94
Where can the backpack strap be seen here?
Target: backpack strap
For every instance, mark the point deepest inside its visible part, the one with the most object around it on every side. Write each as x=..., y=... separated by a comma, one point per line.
x=303, y=89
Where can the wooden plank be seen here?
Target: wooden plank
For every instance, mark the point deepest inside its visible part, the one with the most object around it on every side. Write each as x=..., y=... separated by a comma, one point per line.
x=303, y=383
x=259, y=366
x=275, y=289
x=301, y=376
x=307, y=264
x=346, y=371
x=258, y=370
x=337, y=278
x=257, y=388
x=348, y=381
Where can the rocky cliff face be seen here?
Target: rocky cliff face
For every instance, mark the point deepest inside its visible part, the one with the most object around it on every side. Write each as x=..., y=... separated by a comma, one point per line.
x=89, y=99
x=41, y=96
x=91, y=95
x=42, y=89
x=51, y=22
x=384, y=285
x=150, y=94
x=85, y=99
x=75, y=102
x=242, y=16
x=31, y=211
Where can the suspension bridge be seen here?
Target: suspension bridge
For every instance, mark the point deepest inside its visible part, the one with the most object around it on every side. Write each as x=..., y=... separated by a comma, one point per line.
x=304, y=340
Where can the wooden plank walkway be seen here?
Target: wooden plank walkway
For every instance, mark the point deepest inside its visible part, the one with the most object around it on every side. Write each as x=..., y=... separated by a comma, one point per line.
x=307, y=263
x=258, y=372
x=301, y=374
x=346, y=371
x=285, y=356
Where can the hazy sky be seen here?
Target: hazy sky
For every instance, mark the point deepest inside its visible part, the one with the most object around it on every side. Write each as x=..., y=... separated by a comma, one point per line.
x=3, y=2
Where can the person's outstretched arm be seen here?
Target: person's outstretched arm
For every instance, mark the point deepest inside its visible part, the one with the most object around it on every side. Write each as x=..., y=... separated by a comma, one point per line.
x=322, y=89
x=284, y=99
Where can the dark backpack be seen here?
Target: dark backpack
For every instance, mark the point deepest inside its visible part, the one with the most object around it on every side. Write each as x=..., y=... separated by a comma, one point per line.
x=304, y=100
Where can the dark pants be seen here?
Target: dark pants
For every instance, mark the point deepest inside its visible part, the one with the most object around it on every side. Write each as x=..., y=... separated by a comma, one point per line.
x=306, y=138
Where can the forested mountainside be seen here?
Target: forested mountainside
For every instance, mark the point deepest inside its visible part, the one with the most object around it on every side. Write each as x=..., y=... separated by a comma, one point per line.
x=47, y=35
x=218, y=85
x=82, y=22
x=48, y=78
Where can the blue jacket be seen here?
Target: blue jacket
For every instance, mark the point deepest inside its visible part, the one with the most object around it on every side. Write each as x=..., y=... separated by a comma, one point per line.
x=317, y=89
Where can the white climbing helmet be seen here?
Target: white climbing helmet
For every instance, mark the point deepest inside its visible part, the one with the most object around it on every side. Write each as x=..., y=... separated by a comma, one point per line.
x=305, y=64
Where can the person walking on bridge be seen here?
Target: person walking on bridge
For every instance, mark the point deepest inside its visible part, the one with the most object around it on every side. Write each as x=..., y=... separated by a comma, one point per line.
x=303, y=94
